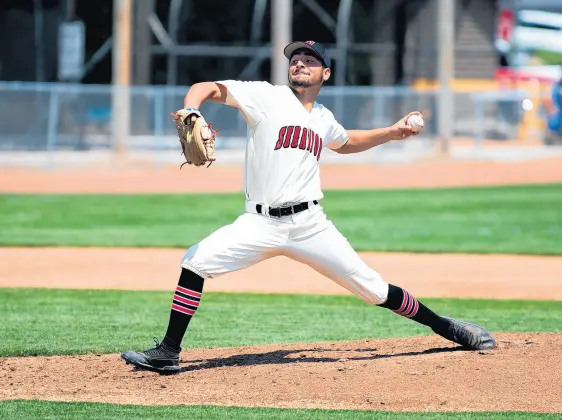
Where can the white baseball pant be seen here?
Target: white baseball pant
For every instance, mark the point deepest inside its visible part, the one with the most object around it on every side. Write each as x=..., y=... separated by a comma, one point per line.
x=308, y=237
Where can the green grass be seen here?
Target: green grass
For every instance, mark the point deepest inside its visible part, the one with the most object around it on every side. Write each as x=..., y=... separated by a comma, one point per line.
x=514, y=219
x=22, y=410
x=51, y=321
x=549, y=58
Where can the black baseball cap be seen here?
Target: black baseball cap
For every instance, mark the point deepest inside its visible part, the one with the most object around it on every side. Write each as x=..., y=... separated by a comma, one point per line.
x=313, y=46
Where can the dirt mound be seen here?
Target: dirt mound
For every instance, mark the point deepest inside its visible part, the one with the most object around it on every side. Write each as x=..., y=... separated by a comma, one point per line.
x=410, y=374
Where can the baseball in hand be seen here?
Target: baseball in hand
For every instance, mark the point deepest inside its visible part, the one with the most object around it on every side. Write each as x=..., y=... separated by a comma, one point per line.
x=415, y=122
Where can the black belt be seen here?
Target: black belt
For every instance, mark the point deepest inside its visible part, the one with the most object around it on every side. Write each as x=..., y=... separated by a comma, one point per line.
x=285, y=211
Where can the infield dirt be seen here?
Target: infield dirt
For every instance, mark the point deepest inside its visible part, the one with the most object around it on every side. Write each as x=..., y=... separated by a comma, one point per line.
x=409, y=374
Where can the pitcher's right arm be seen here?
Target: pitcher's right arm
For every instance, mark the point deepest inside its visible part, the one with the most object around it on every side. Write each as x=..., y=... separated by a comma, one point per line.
x=252, y=98
x=205, y=91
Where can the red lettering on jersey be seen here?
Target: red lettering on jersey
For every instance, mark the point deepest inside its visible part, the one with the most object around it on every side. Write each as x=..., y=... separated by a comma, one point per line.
x=280, y=139
x=303, y=138
x=304, y=135
x=296, y=135
x=319, y=150
x=310, y=141
x=288, y=136
x=316, y=141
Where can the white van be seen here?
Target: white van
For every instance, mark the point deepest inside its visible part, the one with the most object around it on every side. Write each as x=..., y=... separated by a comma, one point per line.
x=537, y=30
x=522, y=32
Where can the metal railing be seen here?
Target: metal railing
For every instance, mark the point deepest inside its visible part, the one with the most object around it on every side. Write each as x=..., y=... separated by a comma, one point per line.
x=51, y=117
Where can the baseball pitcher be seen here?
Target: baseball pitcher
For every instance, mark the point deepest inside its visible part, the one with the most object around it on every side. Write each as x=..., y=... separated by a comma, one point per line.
x=286, y=135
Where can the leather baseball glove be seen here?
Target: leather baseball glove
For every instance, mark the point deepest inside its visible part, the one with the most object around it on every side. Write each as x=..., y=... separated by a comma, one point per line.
x=197, y=138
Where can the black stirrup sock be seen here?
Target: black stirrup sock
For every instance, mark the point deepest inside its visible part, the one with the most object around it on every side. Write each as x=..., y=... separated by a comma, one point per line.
x=404, y=304
x=184, y=305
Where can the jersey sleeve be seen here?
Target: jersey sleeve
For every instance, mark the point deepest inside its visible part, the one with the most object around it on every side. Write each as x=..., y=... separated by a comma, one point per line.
x=252, y=98
x=337, y=135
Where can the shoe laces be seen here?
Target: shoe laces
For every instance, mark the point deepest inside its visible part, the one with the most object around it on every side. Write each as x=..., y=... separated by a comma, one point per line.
x=155, y=350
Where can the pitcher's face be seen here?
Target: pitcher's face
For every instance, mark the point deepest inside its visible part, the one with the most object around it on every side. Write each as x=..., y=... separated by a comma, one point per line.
x=306, y=70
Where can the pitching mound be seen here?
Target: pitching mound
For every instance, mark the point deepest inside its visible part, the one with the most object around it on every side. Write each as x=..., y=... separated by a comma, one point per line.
x=410, y=374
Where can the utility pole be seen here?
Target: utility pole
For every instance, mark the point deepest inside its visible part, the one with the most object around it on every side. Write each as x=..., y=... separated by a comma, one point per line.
x=446, y=60
x=281, y=32
x=121, y=54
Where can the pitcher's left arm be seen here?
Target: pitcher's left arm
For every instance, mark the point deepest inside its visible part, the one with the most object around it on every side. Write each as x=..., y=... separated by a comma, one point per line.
x=361, y=140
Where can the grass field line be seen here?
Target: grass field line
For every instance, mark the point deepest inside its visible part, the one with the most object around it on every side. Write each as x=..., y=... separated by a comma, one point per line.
x=51, y=409
x=63, y=321
x=522, y=220
x=425, y=275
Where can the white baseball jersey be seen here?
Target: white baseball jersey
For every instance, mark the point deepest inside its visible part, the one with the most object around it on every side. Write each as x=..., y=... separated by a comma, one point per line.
x=284, y=142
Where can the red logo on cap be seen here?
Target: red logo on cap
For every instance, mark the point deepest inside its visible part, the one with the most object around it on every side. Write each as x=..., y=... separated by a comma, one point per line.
x=310, y=42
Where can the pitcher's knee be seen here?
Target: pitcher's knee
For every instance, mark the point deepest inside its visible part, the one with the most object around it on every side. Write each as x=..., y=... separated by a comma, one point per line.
x=200, y=262
x=372, y=288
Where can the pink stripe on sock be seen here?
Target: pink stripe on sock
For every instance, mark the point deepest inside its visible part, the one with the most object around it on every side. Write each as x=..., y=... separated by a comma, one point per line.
x=182, y=309
x=410, y=304
x=186, y=301
x=188, y=292
x=404, y=302
x=414, y=310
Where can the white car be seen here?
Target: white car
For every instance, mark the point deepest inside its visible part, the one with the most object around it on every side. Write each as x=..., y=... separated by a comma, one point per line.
x=524, y=31
x=537, y=30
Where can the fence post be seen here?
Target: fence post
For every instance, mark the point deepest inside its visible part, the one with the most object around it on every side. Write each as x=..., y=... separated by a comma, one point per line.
x=52, y=126
x=121, y=75
x=479, y=114
x=379, y=108
x=158, y=124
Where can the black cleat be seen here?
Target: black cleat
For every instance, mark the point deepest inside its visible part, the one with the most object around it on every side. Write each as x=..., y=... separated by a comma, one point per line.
x=162, y=359
x=469, y=335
